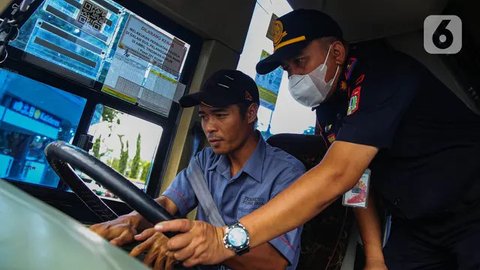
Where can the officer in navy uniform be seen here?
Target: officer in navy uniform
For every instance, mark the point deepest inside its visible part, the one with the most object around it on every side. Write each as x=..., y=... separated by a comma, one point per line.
x=378, y=109
x=427, y=170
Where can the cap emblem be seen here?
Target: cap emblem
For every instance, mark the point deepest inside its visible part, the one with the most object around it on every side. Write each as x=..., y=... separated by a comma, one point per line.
x=278, y=33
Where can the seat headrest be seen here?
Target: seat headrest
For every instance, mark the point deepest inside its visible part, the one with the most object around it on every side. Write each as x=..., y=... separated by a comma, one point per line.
x=309, y=149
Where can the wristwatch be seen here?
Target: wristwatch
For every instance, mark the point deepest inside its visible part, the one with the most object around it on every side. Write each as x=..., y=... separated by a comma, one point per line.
x=237, y=238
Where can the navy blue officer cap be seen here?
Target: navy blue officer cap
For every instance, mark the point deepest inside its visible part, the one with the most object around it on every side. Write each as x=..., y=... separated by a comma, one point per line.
x=293, y=32
x=225, y=87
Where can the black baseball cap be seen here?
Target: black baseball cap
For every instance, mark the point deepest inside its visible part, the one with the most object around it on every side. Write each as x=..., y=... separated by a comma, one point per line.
x=225, y=87
x=294, y=31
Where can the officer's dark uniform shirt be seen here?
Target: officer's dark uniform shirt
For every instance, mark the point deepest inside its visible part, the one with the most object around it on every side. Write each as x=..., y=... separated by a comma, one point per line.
x=428, y=163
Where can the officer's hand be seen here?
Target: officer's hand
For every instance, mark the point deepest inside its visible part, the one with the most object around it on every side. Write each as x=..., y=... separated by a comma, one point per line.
x=197, y=242
x=156, y=244
x=375, y=264
x=119, y=231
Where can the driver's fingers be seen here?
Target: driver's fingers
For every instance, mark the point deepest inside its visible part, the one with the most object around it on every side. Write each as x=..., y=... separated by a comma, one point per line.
x=152, y=255
x=169, y=263
x=119, y=231
x=145, y=234
x=160, y=263
x=164, y=251
x=142, y=247
x=100, y=229
x=150, y=258
x=124, y=238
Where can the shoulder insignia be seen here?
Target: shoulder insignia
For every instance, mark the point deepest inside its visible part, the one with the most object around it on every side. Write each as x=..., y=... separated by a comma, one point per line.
x=354, y=102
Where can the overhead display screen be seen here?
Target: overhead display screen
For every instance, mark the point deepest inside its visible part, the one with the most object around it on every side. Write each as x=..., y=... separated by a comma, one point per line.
x=102, y=41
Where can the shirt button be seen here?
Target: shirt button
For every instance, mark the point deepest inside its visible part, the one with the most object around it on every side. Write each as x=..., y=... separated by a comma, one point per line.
x=396, y=201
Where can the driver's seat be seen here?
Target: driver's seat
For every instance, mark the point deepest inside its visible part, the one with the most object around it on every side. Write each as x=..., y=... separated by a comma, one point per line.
x=325, y=237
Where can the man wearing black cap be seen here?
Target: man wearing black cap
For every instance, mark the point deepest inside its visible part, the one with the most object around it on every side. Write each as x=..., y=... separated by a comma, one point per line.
x=242, y=173
x=377, y=109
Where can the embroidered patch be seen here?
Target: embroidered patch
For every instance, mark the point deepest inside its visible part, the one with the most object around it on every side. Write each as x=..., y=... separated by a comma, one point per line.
x=253, y=201
x=354, y=102
x=331, y=138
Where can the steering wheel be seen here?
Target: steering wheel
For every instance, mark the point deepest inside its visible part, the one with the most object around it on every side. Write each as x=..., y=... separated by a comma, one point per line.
x=63, y=156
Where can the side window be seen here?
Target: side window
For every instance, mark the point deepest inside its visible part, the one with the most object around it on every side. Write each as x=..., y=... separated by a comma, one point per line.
x=97, y=53
x=33, y=114
x=126, y=143
x=278, y=112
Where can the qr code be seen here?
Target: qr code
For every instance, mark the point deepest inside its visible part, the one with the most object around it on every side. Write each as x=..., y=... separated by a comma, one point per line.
x=93, y=15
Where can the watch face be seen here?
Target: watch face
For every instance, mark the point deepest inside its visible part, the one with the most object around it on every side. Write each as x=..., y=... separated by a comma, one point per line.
x=237, y=237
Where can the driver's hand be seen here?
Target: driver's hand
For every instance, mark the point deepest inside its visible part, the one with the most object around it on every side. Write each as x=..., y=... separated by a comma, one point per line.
x=156, y=244
x=119, y=231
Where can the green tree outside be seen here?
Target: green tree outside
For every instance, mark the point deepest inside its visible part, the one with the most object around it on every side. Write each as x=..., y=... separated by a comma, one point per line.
x=122, y=164
x=114, y=163
x=96, y=147
x=135, y=167
x=110, y=115
x=145, y=171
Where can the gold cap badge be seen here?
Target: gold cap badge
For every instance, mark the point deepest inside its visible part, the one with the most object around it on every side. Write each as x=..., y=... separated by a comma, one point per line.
x=278, y=33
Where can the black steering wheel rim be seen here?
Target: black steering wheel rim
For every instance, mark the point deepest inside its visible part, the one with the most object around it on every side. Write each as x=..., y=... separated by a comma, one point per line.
x=63, y=156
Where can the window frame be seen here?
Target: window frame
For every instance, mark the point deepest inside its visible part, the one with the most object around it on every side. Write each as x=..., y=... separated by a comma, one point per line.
x=57, y=196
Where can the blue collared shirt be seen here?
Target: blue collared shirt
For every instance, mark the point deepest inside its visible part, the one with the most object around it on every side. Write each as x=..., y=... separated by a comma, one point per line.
x=268, y=171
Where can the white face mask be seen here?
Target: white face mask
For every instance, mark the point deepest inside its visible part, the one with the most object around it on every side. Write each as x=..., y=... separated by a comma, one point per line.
x=311, y=89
